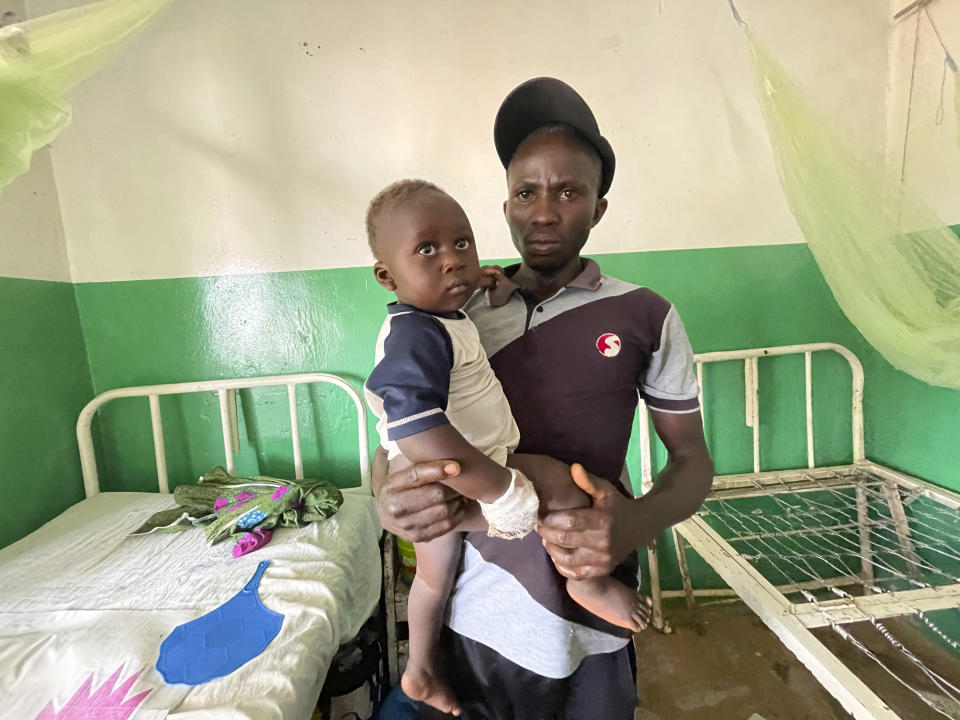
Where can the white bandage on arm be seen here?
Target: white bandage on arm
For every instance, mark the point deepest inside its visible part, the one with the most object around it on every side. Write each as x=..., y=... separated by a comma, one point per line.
x=514, y=514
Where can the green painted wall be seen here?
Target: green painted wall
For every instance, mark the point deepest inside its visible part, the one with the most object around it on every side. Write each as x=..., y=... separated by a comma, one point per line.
x=160, y=331
x=44, y=382
x=148, y=332
x=72, y=341
x=911, y=426
x=172, y=330
x=775, y=295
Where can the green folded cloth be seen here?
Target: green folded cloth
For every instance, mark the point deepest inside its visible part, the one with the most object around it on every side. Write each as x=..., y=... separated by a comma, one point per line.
x=227, y=506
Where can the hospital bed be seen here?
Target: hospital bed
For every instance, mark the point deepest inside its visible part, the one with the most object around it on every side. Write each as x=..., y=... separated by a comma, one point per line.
x=827, y=546
x=84, y=606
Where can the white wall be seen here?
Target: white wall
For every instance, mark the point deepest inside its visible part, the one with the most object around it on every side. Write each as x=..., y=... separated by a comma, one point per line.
x=238, y=136
x=932, y=167
x=31, y=235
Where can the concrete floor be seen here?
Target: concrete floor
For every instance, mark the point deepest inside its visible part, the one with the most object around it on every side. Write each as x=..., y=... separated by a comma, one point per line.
x=735, y=668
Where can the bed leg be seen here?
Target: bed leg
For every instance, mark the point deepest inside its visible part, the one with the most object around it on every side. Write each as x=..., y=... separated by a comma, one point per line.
x=654, y=569
x=892, y=492
x=863, y=528
x=680, y=546
x=389, y=598
x=636, y=678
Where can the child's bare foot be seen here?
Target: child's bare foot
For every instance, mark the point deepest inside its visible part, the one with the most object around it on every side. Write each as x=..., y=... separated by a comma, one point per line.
x=425, y=685
x=613, y=601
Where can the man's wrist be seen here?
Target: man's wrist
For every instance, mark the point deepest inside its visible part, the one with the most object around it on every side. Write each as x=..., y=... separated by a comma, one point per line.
x=645, y=523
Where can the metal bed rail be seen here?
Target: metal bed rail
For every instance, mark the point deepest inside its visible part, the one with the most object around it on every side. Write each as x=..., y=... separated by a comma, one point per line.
x=791, y=622
x=226, y=393
x=750, y=358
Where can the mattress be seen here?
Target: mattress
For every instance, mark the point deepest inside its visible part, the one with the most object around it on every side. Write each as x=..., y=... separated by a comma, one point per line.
x=84, y=608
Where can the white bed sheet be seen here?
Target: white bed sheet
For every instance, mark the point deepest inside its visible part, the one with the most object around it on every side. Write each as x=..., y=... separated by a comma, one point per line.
x=81, y=599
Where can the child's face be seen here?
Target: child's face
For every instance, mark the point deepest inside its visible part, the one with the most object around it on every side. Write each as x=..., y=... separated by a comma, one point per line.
x=427, y=253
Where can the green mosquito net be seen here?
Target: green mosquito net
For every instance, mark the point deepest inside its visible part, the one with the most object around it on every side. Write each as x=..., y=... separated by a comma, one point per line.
x=41, y=59
x=892, y=265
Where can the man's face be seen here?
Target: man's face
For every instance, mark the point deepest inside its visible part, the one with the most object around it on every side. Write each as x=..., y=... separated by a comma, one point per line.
x=552, y=201
x=427, y=253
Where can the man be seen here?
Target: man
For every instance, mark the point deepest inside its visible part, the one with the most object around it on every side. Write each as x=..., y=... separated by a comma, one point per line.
x=571, y=348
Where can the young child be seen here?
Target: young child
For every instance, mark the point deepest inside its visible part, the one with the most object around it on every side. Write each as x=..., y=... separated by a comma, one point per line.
x=436, y=397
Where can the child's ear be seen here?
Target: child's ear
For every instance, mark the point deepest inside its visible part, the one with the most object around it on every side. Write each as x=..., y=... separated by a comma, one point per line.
x=382, y=273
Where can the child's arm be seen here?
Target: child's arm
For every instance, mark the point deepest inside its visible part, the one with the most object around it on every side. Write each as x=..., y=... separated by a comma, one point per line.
x=410, y=384
x=480, y=477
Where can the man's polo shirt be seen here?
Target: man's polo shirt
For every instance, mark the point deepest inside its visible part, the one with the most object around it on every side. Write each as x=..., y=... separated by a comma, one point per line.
x=572, y=367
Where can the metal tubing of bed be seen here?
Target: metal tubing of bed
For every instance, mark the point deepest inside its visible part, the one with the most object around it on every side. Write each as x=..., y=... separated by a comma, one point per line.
x=778, y=614
x=653, y=566
x=646, y=484
x=752, y=383
x=945, y=497
x=234, y=420
x=846, y=475
x=158, y=449
x=791, y=621
x=856, y=370
x=703, y=417
x=892, y=494
x=678, y=546
x=226, y=393
x=844, y=611
x=808, y=393
x=295, y=431
x=752, y=394
x=839, y=581
x=747, y=483
x=225, y=427
x=646, y=463
x=863, y=532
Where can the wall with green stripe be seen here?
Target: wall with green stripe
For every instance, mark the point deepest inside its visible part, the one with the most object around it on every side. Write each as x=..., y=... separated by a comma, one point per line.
x=171, y=330
x=154, y=331
x=44, y=382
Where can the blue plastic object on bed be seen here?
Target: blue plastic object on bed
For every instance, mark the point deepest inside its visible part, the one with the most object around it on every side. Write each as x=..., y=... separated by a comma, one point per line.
x=221, y=641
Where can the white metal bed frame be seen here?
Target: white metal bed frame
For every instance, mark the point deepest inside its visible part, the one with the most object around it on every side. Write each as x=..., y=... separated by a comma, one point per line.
x=226, y=391
x=792, y=622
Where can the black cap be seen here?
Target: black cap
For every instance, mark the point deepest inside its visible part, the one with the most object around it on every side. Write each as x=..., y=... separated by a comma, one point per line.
x=543, y=101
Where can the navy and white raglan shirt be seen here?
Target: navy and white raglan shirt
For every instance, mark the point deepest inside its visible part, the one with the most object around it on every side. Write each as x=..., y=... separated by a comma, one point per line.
x=431, y=370
x=572, y=367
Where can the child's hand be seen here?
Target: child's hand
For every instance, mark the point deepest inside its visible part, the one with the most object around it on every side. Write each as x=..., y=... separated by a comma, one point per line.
x=489, y=276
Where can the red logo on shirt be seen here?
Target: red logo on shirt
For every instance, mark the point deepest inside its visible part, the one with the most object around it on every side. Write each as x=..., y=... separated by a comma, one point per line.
x=609, y=345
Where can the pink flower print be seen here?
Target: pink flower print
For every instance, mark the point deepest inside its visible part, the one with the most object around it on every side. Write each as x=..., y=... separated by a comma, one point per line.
x=220, y=503
x=236, y=507
x=245, y=495
x=107, y=702
x=280, y=492
x=251, y=541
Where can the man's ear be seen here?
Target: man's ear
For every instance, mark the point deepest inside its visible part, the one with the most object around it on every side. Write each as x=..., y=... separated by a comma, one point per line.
x=382, y=273
x=504, y=208
x=599, y=210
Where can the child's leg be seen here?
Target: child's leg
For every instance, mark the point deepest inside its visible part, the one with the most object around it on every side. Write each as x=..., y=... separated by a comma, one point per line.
x=604, y=596
x=436, y=568
x=552, y=480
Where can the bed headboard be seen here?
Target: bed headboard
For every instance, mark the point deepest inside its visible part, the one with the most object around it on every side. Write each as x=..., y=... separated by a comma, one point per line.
x=750, y=359
x=226, y=392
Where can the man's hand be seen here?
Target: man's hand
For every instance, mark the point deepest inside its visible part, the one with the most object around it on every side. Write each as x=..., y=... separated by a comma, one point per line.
x=589, y=542
x=592, y=541
x=413, y=504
